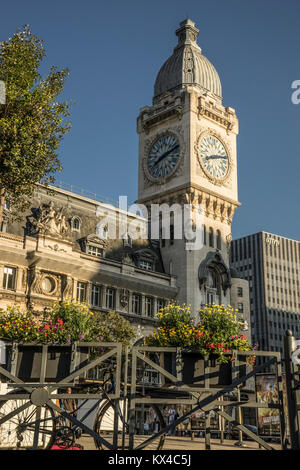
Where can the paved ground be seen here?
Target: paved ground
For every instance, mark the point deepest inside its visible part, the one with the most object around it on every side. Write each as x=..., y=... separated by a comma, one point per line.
x=185, y=443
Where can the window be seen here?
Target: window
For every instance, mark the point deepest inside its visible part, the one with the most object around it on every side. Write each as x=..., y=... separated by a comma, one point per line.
x=172, y=234
x=240, y=307
x=204, y=235
x=219, y=240
x=211, y=237
x=136, y=304
x=95, y=296
x=240, y=292
x=145, y=264
x=95, y=251
x=75, y=224
x=160, y=304
x=149, y=306
x=110, y=298
x=101, y=231
x=3, y=226
x=9, y=278
x=81, y=291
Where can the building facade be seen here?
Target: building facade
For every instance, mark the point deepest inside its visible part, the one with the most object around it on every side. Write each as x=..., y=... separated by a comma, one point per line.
x=187, y=160
x=271, y=264
x=57, y=252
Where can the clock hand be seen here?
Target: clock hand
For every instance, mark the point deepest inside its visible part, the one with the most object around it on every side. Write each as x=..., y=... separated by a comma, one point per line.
x=166, y=153
x=216, y=157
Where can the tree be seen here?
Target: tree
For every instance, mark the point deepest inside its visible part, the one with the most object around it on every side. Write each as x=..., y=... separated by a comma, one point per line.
x=32, y=121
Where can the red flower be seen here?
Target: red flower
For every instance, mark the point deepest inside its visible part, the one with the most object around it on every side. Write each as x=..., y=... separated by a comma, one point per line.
x=198, y=334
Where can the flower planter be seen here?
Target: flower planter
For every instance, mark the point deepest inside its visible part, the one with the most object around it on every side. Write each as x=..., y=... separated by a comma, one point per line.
x=25, y=361
x=193, y=370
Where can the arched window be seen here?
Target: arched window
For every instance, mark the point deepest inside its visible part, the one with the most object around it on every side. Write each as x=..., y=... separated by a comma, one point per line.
x=213, y=287
x=75, y=224
x=211, y=237
x=101, y=231
x=219, y=242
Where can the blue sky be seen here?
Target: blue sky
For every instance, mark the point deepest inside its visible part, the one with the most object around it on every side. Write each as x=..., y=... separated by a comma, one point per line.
x=114, y=51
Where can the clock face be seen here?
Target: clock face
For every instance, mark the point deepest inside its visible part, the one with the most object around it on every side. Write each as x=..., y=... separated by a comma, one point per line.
x=214, y=158
x=163, y=156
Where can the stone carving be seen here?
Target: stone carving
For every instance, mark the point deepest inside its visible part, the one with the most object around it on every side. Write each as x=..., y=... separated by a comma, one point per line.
x=43, y=283
x=228, y=241
x=68, y=289
x=124, y=297
x=49, y=221
x=188, y=66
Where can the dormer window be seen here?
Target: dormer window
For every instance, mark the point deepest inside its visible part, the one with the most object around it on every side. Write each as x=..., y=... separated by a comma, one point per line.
x=75, y=224
x=145, y=259
x=146, y=264
x=94, y=251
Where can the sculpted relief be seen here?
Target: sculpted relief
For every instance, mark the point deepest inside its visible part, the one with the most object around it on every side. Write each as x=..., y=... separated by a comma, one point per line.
x=48, y=220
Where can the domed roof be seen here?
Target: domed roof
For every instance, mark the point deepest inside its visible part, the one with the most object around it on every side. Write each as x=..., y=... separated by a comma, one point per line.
x=187, y=65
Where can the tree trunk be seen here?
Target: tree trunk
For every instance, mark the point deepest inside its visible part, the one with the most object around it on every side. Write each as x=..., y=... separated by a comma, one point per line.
x=2, y=201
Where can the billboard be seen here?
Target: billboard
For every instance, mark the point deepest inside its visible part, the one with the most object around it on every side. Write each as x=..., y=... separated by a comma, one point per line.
x=268, y=419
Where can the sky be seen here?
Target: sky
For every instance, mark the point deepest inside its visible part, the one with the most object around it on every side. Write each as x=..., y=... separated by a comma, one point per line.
x=114, y=51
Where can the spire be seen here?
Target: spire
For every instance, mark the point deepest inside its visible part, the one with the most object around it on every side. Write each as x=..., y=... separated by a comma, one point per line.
x=187, y=34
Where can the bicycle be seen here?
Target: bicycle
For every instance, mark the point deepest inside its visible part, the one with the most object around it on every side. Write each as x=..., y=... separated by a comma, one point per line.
x=111, y=421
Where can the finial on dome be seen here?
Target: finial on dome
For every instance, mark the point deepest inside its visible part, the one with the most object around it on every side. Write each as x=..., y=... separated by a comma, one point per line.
x=187, y=33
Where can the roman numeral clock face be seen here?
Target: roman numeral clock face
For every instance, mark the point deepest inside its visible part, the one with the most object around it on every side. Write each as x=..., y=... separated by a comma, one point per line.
x=163, y=156
x=213, y=158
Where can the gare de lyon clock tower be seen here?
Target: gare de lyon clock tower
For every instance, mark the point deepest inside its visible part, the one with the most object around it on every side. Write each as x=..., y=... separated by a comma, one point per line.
x=187, y=156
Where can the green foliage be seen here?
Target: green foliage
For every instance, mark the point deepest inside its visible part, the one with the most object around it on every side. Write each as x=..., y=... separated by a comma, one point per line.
x=23, y=327
x=217, y=332
x=77, y=317
x=32, y=122
x=67, y=322
x=220, y=322
x=113, y=327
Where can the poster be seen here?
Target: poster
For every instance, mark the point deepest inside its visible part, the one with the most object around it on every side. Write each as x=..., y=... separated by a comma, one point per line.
x=268, y=419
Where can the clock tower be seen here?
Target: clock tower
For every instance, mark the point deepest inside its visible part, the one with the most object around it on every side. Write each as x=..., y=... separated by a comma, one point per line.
x=187, y=159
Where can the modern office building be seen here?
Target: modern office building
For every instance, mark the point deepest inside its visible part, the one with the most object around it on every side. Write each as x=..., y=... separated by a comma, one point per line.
x=271, y=264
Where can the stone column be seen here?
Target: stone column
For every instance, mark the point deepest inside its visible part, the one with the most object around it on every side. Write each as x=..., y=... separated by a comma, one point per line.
x=18, y=280
x=142, y=309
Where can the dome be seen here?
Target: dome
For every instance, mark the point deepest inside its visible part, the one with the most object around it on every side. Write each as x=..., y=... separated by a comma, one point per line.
x=187, y=65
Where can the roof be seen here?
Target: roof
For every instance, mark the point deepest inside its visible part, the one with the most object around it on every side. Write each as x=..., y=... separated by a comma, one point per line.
x=187, y=65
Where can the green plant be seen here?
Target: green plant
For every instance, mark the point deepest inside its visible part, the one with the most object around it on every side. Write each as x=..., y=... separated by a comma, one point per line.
x=24, y=328
x=217, y=332
x=77, y=317
x=67, y=322
x=32, y=121
x=113, y=327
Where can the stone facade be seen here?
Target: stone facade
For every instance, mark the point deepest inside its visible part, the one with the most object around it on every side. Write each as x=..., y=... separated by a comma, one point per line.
x=54, y=253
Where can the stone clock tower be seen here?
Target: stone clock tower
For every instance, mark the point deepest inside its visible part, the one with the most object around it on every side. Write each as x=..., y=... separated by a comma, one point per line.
x=187, y=156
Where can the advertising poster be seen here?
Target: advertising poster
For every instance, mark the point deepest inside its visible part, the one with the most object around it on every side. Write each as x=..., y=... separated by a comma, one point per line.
x=268, y=419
